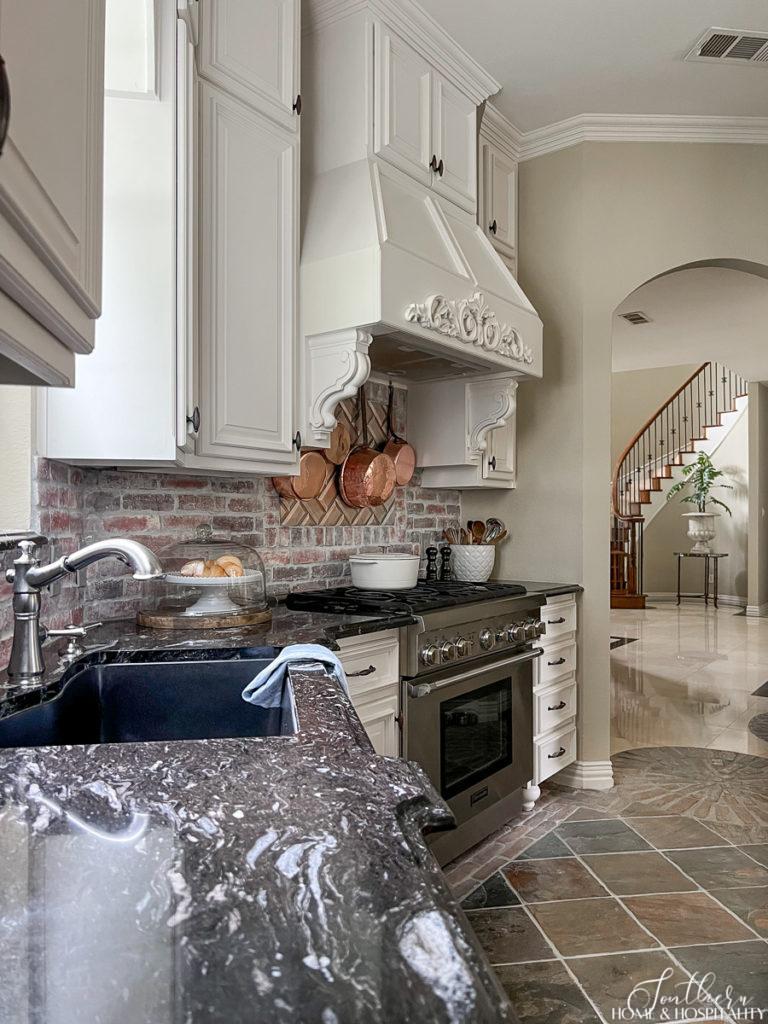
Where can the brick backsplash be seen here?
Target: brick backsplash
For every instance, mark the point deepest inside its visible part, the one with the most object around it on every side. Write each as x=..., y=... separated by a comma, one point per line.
x=75, y=505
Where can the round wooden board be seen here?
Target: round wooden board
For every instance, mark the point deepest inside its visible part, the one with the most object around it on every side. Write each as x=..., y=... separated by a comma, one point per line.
x=169, y=620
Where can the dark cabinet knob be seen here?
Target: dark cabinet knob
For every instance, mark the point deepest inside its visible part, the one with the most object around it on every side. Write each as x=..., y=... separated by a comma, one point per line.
x=194, y=419
x=440, y=168
x=493, y=227
x=492, y=463
x=297, y=106
x=433, y=163
x=5, y=104
x=557, y=707
x=297, y=441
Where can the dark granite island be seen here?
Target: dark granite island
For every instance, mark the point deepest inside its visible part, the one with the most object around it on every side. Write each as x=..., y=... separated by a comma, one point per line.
x=259, y=880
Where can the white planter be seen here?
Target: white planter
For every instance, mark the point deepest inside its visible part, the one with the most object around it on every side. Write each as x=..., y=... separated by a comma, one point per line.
x=384, y=571
x=472, y=563
x=701, y=530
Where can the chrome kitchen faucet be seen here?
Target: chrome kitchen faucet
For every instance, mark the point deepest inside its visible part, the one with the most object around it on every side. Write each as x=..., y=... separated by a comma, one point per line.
x=28, y=577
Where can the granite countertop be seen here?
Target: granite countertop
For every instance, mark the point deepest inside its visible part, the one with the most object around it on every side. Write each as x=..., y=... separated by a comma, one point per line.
x=240, y=880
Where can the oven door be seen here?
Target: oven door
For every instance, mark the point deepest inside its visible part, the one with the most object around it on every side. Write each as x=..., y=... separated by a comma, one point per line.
x=472, y=731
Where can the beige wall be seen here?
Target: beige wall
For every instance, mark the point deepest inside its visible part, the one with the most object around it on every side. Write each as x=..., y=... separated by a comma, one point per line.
x=596, y=222
x=15, y=457
x=636, y=395
x=667, y=531
x=757, y=597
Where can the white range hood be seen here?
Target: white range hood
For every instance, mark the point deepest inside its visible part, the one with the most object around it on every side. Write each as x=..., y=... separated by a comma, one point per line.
x=394, y=277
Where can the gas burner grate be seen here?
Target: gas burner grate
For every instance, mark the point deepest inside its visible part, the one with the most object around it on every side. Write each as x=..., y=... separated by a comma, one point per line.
x=426, y=596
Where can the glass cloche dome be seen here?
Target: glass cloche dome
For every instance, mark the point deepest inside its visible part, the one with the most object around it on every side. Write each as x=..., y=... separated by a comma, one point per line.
x=207, y=582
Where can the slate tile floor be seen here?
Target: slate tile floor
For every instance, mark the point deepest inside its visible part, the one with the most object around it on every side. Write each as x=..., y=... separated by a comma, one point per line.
x=596, y=895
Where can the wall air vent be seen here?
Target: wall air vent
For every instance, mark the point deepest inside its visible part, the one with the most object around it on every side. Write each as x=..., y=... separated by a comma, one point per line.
x=635, y=318
x=731, y=46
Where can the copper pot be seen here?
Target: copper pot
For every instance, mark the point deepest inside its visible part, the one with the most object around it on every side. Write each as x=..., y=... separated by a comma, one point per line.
x=397, y=448
x=368, y=477
x=309, y=483
x=341, y=442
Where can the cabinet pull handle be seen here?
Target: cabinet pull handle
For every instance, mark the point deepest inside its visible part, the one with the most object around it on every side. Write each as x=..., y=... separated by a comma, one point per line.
x=556, y=622
x=560, y=753
x=5, y=104
x=194, y=419
x=297, y=440
x=440, y=167
x=560, y=661
x=363, y=672
x=558, y=707
x=493, y=227
x=433, y=163
x=492, y=462
x=297, y=106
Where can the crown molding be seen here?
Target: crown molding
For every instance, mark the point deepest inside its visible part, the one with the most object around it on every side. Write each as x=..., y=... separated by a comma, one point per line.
x=419, y=29
x=500, y=132
x=641, y=128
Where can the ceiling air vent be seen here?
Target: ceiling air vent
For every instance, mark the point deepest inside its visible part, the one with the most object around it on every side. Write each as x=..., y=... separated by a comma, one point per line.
x=731, y=46
x=635, y=318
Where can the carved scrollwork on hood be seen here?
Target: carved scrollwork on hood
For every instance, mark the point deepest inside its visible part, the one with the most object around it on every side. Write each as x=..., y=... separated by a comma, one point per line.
x=472, y=322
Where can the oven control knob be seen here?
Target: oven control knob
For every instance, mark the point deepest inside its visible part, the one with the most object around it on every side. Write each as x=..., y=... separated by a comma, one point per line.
x=447, y=651
x=487, y=639
x=463, y=646
x=518, y=635
x=430, y=655
x=541, y=628
x=531, y=631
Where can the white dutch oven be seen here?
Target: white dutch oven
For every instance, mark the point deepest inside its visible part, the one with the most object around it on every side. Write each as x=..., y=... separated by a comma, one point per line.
x=384, y=571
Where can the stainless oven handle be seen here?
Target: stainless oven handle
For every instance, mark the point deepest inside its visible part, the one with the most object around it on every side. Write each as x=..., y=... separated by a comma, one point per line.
x=424, y=689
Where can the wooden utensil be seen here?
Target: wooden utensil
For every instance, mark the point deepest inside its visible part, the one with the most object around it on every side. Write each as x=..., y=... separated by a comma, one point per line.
x=309, y=483
x=397, y=448
x=477, y=530
x=341, y=442
x=464, y=536
x=368, y=477
x=451, y=536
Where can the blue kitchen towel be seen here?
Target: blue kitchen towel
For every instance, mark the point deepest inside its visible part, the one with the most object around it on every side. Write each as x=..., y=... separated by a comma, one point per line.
x=272, y=687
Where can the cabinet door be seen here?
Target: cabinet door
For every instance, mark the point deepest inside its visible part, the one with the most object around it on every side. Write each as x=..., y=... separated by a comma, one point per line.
x=402, y=118
x=51, y=167
x=499, y=198
x=500, y=457
x=251, y=49
x=379, y=718
x=248, y=264
x=454, y=134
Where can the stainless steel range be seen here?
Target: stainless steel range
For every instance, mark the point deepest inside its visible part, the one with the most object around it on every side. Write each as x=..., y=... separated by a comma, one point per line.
x=466, y=666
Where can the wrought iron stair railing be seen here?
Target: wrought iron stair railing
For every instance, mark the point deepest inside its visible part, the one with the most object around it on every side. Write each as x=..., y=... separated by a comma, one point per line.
x=650, y=457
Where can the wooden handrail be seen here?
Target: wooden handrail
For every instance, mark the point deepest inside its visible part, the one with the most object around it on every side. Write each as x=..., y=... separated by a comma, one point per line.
x=649, y=423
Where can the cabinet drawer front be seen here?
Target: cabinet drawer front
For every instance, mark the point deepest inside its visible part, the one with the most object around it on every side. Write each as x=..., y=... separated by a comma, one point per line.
x=553, y=753
x=556, y=662
x=370, y=664
x=559, y=619
x=554, y=707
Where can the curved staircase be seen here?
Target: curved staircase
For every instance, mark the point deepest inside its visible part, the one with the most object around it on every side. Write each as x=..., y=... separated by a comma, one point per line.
x=694, y=419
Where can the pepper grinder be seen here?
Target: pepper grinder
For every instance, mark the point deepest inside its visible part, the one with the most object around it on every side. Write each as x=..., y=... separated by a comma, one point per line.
x=431, y=573
x=445, y=563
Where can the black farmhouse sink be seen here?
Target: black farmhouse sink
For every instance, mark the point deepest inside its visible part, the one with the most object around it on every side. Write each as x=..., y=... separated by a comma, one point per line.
x=134, y=702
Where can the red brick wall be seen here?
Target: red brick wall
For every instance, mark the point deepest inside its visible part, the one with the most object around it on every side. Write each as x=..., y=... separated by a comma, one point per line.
x=77, y=505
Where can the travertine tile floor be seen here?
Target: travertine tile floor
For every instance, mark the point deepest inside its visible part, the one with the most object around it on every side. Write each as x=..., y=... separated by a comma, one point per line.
x=688, y=677
x=663, y=877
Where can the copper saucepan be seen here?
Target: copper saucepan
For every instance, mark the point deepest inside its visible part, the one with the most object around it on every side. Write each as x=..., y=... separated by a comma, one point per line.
x=309, y=483
x=368, y=477
x=397, y=448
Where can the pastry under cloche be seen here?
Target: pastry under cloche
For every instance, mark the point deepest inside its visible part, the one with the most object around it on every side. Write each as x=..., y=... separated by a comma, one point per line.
x=208, y=582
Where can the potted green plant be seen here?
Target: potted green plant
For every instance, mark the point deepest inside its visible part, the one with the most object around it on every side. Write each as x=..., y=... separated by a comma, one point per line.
x=700, y=480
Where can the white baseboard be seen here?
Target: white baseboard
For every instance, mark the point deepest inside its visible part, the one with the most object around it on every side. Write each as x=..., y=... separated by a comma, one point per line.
x=586, y=775
x=726, y=599
x=757, y=610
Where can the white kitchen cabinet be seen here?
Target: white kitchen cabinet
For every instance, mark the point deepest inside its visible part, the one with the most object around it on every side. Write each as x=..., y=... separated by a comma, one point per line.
x=248, y=254
x=423, y=123
x=497, y=208
x=51, y=186
x=250, y=48
x=202, y=221
x=555, y=694
x=473, y=447
x=371, y=664
x=454, y=132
